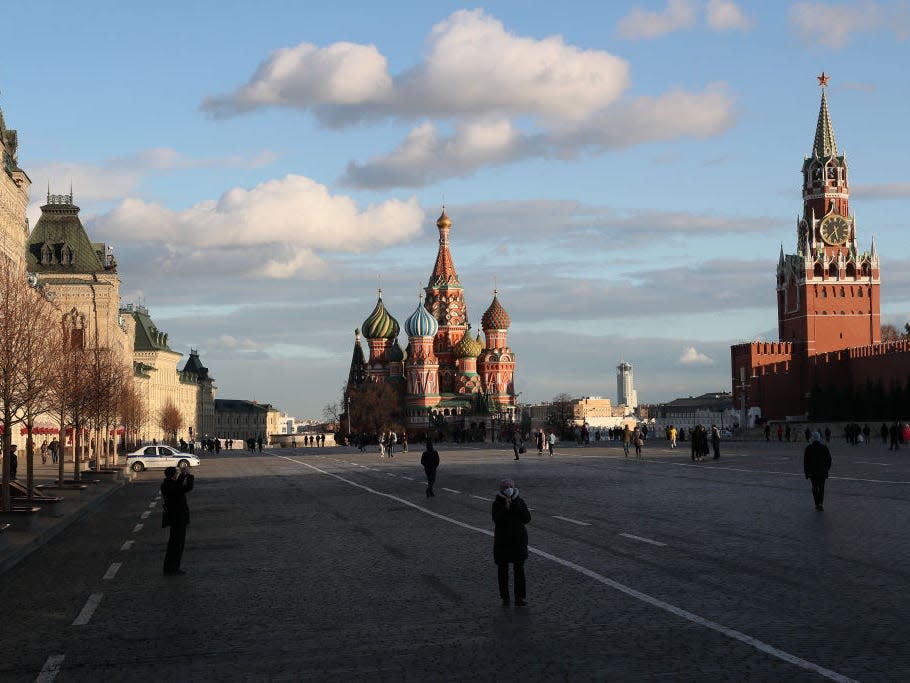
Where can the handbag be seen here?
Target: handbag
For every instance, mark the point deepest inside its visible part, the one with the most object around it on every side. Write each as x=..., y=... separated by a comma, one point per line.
x=521, y=449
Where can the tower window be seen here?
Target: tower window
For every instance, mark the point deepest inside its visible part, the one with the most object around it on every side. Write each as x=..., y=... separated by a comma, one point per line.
x=832, y=270
x=824, y=292
x=859, y=292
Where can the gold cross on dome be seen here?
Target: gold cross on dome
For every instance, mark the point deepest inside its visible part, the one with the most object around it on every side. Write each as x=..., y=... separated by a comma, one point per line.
x=823, y=79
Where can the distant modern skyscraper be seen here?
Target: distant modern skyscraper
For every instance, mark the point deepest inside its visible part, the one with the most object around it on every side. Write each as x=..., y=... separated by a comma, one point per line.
x=625, y=391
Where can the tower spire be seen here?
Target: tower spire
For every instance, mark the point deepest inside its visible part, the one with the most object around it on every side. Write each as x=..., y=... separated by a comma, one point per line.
x=824, y=145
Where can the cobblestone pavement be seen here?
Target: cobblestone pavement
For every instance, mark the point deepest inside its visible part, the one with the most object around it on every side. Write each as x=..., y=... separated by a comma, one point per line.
x=329, y=564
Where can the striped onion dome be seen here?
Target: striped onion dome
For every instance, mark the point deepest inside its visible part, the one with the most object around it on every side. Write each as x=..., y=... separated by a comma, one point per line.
x=395, y=354
x=468, y=347
x=421, y=323
x=380, y=324
x=495, y=317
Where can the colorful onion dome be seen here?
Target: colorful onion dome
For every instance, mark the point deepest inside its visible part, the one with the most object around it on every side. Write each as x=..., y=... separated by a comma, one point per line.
x=468, y=347
x=443, y=221
x=495, y=317
x=380, y=325
x=421, y=323
x=395, y=353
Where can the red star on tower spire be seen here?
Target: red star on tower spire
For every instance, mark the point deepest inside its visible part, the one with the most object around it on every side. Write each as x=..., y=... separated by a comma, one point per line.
x=823, y=79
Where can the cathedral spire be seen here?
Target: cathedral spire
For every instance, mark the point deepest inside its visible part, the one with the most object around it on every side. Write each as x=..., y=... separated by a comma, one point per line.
x=825, y=145
x=444, y=269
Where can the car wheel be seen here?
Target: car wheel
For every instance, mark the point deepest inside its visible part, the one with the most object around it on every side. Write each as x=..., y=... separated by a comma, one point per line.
x=138, y=467
x=183, y=463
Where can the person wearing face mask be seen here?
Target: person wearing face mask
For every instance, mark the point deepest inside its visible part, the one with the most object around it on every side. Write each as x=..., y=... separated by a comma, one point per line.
x=510, y=540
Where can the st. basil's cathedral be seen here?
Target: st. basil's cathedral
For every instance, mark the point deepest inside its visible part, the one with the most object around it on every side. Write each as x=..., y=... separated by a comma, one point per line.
x=445, y=371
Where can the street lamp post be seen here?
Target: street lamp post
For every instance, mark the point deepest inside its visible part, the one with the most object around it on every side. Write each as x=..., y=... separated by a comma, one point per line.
x=347, y=400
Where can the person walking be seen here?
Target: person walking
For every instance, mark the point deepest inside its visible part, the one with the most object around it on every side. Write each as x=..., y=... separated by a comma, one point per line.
x=626, y=440
x=404, y=441
x=44, y=452
x=430, y=461
x=816, y=464
x=715, y=441
x=516, y=443
x=639, y=441
x=540, y=442
x=176, y=515
x=259, y=443
x=510, y=540
x=673, y=433
x=551, y=442
x=54, y=446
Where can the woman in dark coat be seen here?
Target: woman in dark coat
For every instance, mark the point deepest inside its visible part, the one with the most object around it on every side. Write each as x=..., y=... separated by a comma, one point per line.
x=510, y=540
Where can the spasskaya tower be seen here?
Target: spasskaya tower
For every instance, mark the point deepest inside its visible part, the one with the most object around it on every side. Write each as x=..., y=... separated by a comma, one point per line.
x=828, y=291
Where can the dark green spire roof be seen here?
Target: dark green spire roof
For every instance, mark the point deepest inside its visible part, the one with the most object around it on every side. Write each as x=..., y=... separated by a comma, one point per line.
x=59, y=243
x=824, y=146
x=148, y=336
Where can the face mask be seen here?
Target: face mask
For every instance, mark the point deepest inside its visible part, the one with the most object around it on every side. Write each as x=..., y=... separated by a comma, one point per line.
x=508, y=492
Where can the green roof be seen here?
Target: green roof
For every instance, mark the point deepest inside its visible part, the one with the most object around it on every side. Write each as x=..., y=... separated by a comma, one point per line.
x=148, y=336
x=233, y=405
x=59, y=243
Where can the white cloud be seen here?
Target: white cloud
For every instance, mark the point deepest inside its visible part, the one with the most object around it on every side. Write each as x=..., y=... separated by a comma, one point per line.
x=481, y=96
x=725, y=15
x=277, y=227
x=473, y=66
x=427, y=155
x=691, y=356
x=834, y=26
x=642, y=24
x=897, y=190
x=307, y=76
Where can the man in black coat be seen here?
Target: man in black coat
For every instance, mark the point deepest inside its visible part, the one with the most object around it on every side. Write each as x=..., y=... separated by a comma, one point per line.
x=430, y=462
x=510, y=540
x=176, y=515
x=816, y=463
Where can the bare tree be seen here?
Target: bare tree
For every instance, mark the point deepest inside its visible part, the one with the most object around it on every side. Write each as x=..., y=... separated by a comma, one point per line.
x=890, y=333
x=23, y=332
x=39, y=363
x=170, y=420
x=561, y=412
x=375, y=408
x=132, y=414
x=330, y=412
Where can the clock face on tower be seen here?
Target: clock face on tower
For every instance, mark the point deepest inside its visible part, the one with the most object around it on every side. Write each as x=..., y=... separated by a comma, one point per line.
x=835, y=230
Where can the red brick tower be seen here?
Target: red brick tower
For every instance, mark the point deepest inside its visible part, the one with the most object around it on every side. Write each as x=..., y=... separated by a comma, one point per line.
x=496, y=363
x=828, y=291
x=445, y=301
x=421, y=366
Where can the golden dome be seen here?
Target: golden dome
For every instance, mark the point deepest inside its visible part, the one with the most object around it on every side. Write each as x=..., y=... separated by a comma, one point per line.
x=443, y=221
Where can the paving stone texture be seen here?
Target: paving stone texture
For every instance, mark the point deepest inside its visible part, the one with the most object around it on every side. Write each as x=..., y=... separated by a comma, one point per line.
x=295, y=574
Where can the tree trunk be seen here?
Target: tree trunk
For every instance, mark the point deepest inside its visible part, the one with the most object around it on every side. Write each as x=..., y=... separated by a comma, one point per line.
x=4, y=483
x=61, y=451
x=77, y=451
x=29, y=462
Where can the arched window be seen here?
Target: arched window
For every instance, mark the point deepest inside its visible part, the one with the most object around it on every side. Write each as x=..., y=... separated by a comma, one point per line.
x=842, y=292
x=851, y=270
x=859, y=292
x=47, y=256
x=817, y=272
x=824, y=292
x=832, y=270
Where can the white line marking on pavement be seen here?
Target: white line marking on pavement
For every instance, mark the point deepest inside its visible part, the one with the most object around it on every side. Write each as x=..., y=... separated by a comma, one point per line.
x=50, y=669
x=600, y=578
x=145, y=515
x=450, y=490
x=409, y=478
x=88, y=610
x=867, y=462
x=138, y=527
x=112, y=571
x=644, y=540
x=389, y=474
x=569, y=519
x=127, y=545
x=489, y=500
x=153, y=503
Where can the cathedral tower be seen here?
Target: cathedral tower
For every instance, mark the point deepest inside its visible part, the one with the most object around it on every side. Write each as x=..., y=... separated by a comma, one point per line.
x=445, y=301
x=496, y=363
x=380, y=329
x=421, y=367
x=828, y=291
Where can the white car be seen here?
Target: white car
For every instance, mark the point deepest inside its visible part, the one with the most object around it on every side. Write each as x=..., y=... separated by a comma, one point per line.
x=159, y=457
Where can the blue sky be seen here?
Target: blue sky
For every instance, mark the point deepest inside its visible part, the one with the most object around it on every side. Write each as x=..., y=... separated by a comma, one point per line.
x=627, y=171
